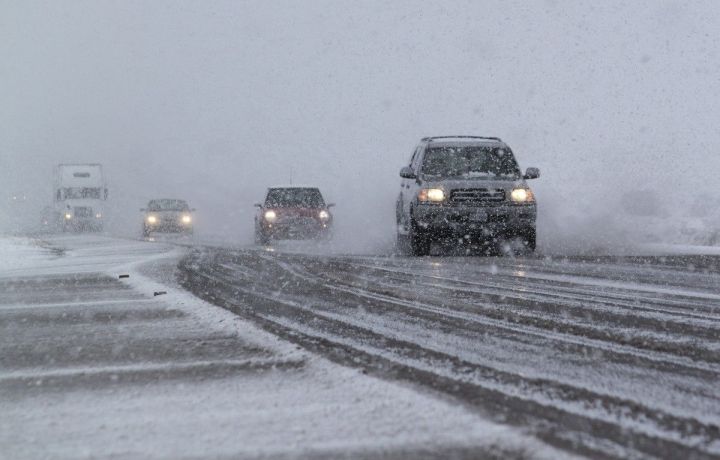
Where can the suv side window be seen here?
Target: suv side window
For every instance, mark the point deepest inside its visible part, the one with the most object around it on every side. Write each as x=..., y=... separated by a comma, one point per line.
x=412, y=158
x=415, y=164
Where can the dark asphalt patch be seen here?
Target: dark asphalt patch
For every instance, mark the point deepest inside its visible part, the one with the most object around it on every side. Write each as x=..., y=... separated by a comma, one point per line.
x=68, y=379
x=61, y=289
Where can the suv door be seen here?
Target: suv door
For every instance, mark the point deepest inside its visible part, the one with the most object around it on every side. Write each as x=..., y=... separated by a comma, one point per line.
x=402, y=197
x=408, y=189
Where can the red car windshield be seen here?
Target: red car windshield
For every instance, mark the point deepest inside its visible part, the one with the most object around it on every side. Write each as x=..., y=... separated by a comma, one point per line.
x=294, y=198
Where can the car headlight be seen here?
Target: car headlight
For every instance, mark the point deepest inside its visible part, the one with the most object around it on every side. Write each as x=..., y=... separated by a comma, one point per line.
x=186, y=219
x=98, y=215
x=522, y=195
x=433, y=195
x=68, y=216
x=324, y=215
x=270, y=216
x=151, y=219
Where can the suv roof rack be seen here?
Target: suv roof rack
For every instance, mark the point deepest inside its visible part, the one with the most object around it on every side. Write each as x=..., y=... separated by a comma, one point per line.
x=430, y=139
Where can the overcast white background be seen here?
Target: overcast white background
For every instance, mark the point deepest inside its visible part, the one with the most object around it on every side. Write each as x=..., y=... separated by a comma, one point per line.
x=213, y=101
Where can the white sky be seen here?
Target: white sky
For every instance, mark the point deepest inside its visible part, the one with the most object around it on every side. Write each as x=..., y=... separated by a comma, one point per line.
x=213, y=101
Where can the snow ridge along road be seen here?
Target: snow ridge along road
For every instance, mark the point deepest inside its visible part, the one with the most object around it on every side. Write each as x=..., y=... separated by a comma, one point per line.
x=609, y=357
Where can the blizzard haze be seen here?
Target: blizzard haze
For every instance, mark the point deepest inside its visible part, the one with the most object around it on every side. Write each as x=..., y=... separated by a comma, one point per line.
x=215, y=101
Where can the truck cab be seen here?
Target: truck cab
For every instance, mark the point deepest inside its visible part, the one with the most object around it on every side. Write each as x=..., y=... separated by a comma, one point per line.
x=80, y=193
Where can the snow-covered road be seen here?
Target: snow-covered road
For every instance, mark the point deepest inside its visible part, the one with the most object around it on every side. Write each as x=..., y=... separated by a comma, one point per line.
x=97, y=366
x=603, y=356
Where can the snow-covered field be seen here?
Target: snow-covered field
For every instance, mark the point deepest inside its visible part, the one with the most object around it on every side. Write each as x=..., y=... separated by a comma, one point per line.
x=93, y=366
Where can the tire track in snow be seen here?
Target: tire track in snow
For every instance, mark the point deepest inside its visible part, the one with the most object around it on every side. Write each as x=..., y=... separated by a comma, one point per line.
x=302, y=317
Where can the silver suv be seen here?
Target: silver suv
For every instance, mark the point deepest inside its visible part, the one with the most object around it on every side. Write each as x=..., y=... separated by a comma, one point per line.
x=466, y=188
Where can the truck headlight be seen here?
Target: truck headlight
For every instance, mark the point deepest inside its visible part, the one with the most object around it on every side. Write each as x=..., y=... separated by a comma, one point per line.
x=522, y=195
x=324, y=215
x=151, y=219
x=432, y=195
x=270, y=216
x=186, y=219
x=68, y=216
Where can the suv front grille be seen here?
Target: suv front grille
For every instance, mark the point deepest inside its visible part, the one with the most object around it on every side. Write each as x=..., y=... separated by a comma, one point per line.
x=477, y=195
x=83, y=212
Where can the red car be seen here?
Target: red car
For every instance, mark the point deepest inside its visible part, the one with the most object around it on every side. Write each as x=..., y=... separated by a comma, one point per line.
x=293, y=213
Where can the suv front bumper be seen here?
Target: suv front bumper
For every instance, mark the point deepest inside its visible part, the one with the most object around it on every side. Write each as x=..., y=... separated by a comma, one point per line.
x=458, y=220
x=307, y=229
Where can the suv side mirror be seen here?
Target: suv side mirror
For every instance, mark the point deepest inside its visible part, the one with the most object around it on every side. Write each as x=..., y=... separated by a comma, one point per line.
x=532, y=173
x=193, y=209
x=408, y=173
x=330, y=205
x=257, y=205
x=143, y=209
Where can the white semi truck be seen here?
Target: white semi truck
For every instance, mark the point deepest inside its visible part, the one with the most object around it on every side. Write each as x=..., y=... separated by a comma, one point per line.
x=80, y=193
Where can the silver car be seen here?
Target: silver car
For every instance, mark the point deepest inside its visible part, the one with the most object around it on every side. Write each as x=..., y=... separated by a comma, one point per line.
x=464, y=188
x=167, y=216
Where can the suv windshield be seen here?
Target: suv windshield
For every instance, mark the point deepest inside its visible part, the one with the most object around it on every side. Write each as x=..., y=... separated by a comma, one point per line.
x=168, y=205
x=294, y=197
x=470, y=162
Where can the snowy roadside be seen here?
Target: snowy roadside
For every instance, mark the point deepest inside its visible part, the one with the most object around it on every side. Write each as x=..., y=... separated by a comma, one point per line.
x=21, y=253
x=679, y=249
x=100, y=367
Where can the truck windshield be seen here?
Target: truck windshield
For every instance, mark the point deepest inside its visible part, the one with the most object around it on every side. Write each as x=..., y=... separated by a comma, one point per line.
x=470, y=162
x=294, y=197
x=76, y=193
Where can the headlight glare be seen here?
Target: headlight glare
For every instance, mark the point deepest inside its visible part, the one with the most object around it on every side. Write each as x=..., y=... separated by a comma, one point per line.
x=151, y=219
x=324, y=215
x=270, y=216
x=434, y=195
x=522, y=195
x=186, y=219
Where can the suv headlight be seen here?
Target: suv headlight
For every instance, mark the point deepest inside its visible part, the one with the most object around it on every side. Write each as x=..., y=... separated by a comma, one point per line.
x=151, y=219
x=68, y=216
x=431, y=195
x=186, y=219
x=324, y=215
x=522, y=195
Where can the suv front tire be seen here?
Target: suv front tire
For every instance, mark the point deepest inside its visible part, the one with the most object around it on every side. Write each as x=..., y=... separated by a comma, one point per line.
x=415, y=242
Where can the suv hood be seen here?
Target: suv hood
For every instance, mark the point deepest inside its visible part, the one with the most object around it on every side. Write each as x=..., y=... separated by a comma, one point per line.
x=454, y=184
